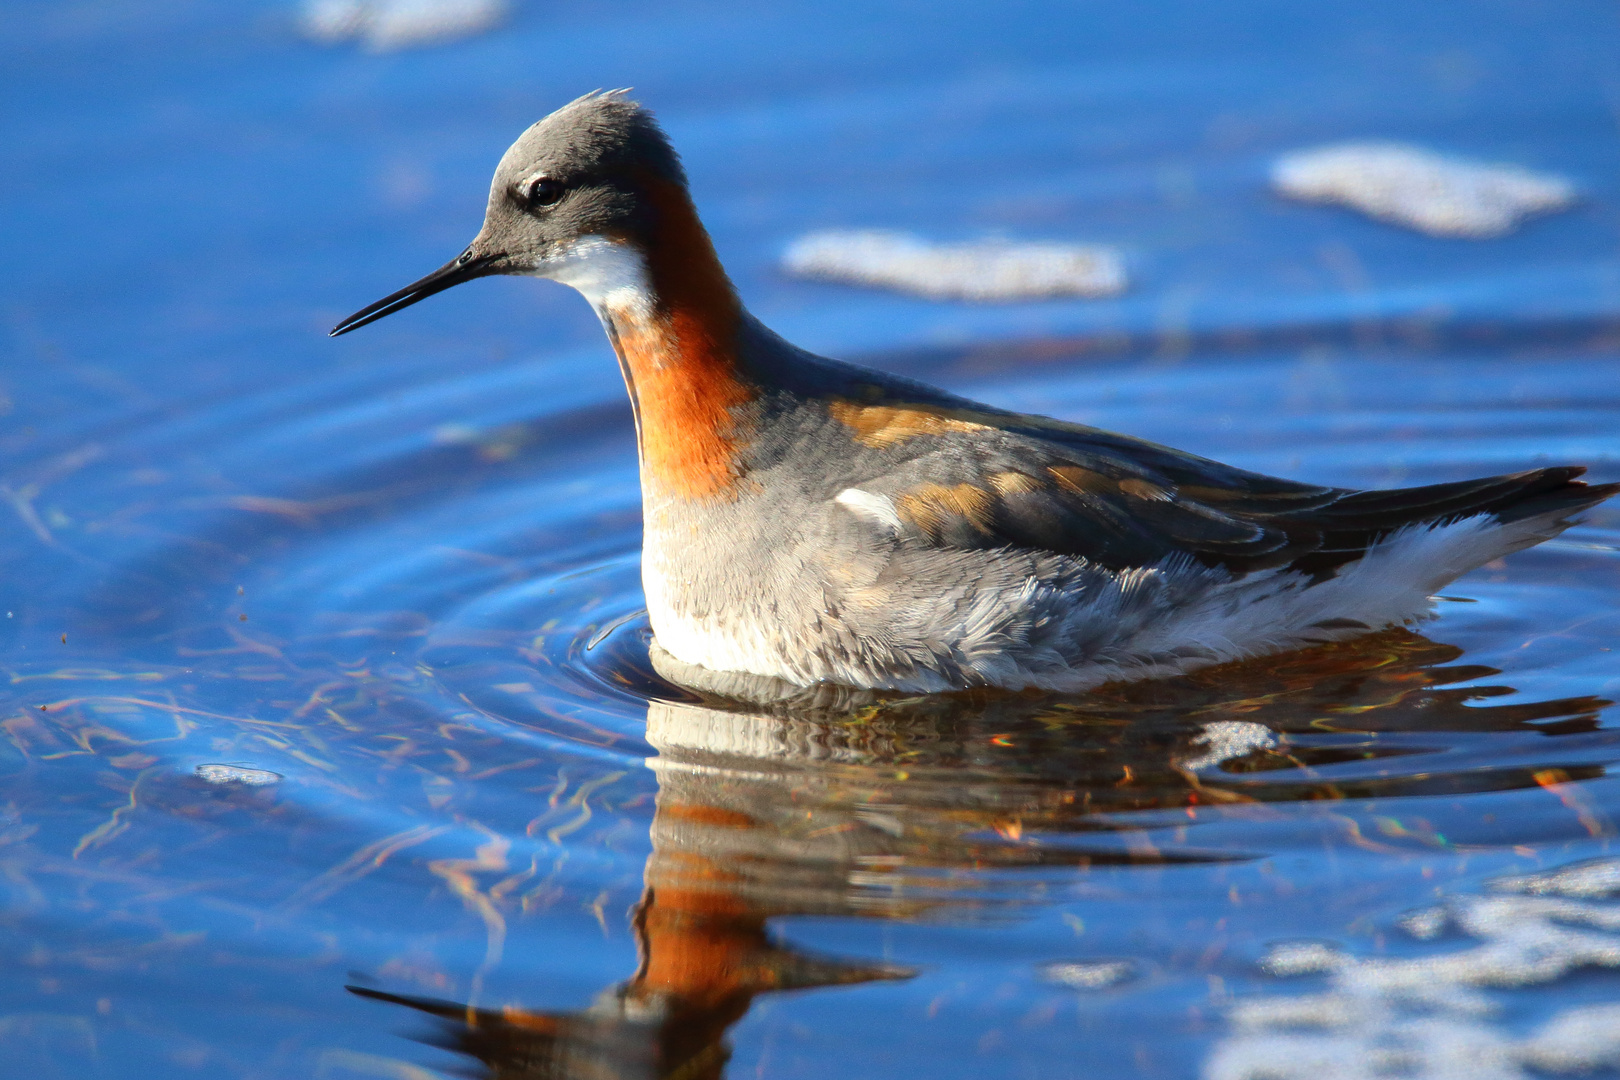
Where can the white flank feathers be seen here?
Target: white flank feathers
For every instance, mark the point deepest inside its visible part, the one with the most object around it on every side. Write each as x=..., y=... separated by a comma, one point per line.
x=1220, y=620
x=984, y=270
x=1420, y=189
x=878, y=508
x=1393, y=583
x=1271, y=611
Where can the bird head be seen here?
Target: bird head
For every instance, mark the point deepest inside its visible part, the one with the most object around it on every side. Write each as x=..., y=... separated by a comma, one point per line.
x=574, y=199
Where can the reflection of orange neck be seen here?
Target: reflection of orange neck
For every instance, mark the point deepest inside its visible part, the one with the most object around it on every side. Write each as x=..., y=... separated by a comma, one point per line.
x=704, y=950
x=679, y=354
x=701, y=942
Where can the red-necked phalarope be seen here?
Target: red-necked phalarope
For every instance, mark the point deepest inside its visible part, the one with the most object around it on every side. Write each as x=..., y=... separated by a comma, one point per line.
x=814, y=521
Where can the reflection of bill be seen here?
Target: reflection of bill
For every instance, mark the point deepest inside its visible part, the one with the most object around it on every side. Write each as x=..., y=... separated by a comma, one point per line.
x=828, y=802
x=705, y=955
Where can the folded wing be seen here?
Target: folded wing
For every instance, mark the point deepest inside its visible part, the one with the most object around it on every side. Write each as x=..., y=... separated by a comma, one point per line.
x=1124, y=503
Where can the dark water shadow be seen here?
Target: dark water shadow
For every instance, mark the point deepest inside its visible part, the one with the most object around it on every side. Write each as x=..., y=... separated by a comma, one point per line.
x=838, y=803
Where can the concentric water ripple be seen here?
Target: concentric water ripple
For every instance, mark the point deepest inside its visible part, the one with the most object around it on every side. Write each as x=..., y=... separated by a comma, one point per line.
x=327, y=665
x=437, y=641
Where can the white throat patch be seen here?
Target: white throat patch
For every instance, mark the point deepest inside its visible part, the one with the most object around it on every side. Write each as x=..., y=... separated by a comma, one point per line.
x=612, y=276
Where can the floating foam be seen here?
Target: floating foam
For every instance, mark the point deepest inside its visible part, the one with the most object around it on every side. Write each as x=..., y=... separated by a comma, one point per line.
x=1302, y=958
x=984, y=270
x=1576, y=1041
x=1596, y=879
x=1418, y=188
x=1224, y=740
x=1425, y=924
x=1427, y=1018
x=386, y=25
x=235, y=774
x=1089, y=974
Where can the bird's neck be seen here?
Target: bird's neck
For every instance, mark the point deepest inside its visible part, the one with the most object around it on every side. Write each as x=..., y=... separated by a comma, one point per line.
x=673, y=318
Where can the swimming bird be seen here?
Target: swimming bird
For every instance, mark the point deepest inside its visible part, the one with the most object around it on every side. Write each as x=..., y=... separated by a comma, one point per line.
x=813, y=521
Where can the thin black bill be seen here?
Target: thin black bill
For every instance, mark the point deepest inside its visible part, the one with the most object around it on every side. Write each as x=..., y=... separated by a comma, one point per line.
x=463, y=267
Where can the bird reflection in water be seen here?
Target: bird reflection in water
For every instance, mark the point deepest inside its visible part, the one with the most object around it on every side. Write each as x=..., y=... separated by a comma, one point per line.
x=831, y=802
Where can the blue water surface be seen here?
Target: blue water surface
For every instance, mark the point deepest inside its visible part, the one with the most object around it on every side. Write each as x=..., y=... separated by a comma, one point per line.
x=400, y=570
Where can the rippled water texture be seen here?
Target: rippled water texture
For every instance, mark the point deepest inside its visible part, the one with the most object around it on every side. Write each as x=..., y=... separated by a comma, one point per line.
x=326, y=665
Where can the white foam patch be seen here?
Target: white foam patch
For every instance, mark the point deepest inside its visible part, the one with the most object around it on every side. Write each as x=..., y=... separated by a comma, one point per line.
x=1420, y=189
x=236, y=774
x=984, y=270
x=388, y=25
x=1595, y=880
x=1224, y=740
x=1089, y=974
x=1428, y=1018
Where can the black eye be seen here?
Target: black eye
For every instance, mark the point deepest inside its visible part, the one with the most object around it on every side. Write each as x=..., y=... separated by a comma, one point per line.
x=544, y=192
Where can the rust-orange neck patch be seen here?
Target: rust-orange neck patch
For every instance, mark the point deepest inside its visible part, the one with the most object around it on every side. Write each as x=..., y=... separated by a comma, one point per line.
x=680, y=355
